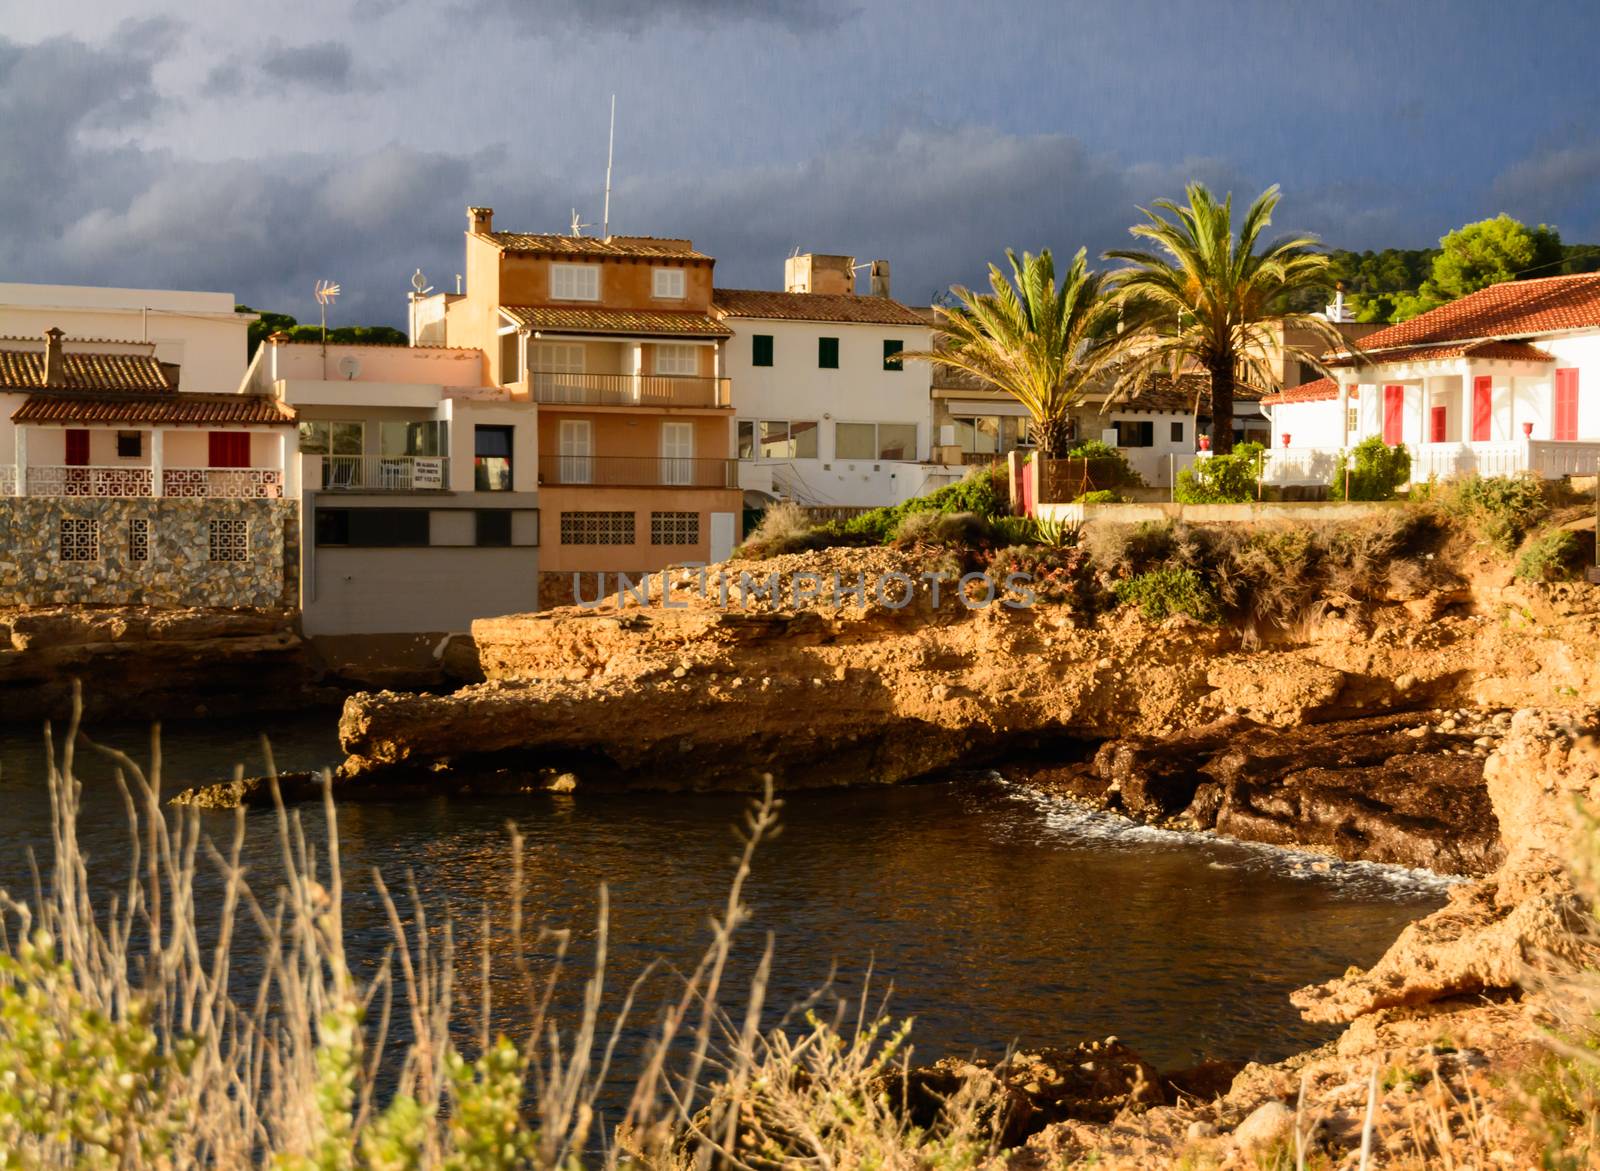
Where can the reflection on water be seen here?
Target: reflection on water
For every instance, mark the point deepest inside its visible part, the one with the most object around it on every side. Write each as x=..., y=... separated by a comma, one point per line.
x=994, y=916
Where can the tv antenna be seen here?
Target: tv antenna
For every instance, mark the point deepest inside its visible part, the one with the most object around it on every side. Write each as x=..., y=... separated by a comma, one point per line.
x=326, y=291
x=611, y=142
x=577, y=223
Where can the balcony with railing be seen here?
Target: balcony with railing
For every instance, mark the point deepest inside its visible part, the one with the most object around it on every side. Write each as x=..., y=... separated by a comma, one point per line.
x=89, y=481
x=638, y=471
x=378, y=473
x=628, y=390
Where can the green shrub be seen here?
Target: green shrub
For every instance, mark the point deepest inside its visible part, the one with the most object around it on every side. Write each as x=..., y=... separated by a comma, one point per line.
x=1221, y=479
x=1099, y=496
x=984, y=492
x=964, y=529
x=1551, y=556
x=1058, y=574
x=1377, y=473
x=1014, y=530
x=1501, y=510
x=1160, y=593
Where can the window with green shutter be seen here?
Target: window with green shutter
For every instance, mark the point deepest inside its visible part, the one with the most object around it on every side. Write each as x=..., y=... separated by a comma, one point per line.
x=892, y=349
x=761, y=349
x=827, y=353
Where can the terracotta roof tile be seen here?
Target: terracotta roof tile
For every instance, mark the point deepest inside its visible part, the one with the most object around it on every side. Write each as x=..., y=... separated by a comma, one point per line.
x=171, y=408
x=598, y=246
x=644, y=322
x=1322, y=388
x=24, y=370
x=1508, y=351
x=1508, y=310
x=848, y=308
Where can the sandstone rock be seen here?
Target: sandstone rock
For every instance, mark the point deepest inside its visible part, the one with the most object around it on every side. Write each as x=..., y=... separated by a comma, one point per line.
x=1267, y=1124
x=1495, y=932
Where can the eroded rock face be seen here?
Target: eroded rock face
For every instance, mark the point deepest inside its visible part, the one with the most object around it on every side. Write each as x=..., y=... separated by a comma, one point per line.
x=1404, y=789
x=702, y=695
x=140, y=662
x=1494, y=933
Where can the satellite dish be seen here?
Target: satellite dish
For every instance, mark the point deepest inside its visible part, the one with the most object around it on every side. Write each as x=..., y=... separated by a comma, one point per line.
x=349, y=366
x=419, y=284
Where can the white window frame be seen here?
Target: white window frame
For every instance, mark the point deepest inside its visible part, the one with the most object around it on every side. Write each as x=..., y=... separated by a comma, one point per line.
x=574, y=282
x=677, y=452
x=668, y=284
x=676, y=359
x=576, y=439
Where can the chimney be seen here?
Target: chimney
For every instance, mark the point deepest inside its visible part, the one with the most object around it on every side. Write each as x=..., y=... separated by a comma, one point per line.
x=480, y=220
x=880, y=278
x=55, y=366
x=814, y=272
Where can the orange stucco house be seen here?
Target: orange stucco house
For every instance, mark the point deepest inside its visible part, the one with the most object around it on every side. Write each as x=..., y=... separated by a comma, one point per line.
x=612, y=342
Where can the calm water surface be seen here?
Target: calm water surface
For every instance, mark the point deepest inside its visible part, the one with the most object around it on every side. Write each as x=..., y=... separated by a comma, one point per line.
x=996, y=917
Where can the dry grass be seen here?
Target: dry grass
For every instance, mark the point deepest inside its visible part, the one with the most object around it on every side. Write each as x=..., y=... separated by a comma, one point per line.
x=128, y=1040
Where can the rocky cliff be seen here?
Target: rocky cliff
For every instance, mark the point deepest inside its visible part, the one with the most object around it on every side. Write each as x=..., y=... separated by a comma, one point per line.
x=138, y=662
x=711, y=694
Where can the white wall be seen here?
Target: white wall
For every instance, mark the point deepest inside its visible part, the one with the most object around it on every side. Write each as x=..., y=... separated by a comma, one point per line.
x=859, y=391
x=198, y=330
x=437, y=588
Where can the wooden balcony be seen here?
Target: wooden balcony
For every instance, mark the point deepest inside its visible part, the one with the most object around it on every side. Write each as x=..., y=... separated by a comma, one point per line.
x=628, y=390
x=638, y=471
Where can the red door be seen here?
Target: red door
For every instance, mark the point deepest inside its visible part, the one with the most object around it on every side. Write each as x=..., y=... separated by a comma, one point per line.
x=1482, y=407
x=1394, y=410
x=1566, y=420
x=77, y=449
x=230, y=449
x=1436, y=421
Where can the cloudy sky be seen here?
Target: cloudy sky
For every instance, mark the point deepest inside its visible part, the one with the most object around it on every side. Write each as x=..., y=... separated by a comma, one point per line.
x=257, y=147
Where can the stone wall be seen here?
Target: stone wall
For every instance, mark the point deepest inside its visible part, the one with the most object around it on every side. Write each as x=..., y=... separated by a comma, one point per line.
x=181, y=567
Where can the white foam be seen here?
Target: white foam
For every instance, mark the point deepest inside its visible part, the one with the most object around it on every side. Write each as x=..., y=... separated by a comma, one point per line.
x=1067, y=818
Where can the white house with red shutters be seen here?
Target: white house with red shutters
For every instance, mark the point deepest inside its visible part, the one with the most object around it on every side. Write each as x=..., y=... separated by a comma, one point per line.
x=1501, y=382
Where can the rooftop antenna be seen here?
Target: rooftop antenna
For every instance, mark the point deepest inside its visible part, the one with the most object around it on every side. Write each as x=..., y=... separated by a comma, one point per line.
x=325, y=291
x=420, y=288
x=611, y=142
x=577, y=224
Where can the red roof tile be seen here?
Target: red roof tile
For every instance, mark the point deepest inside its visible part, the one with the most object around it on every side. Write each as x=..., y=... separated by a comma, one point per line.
x=172, y=408
x=641, y=322
x=848, y=308
x=655, y=247
x=1508, y=310
x=1322, y=388
x=24, y=370
x=1506, y=351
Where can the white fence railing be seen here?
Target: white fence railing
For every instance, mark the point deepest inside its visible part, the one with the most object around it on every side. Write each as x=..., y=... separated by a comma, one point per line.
x=87, y=480
x=381, y=473
x=1548, y=458
x=223, y=483
x=8, y=479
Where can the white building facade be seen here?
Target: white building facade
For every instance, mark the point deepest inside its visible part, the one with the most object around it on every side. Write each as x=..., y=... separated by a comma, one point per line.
x=827, y=414
x=1502, y=382
x=417, y=485
x=196, y=331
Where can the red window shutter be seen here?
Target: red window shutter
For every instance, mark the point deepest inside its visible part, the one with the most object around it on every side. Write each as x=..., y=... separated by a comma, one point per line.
x=1482, y=407
x=1566, y=412
x=1394, y=413
x=1436, y=431
x=77, y=448
x=229, y=449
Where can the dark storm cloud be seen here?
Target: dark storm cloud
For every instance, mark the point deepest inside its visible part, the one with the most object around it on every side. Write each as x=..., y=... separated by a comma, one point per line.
x=543, y=17
x=1559, y=185
x=322, y=66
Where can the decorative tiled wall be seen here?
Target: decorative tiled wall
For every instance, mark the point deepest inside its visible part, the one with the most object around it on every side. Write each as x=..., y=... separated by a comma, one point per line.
x=186, y=552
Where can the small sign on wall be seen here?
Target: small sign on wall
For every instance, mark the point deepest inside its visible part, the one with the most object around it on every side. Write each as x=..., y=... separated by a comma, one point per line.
x=427, y=472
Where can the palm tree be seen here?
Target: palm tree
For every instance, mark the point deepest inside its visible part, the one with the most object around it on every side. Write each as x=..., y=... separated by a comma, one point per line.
x=1212, y=300
x=1038, y=341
